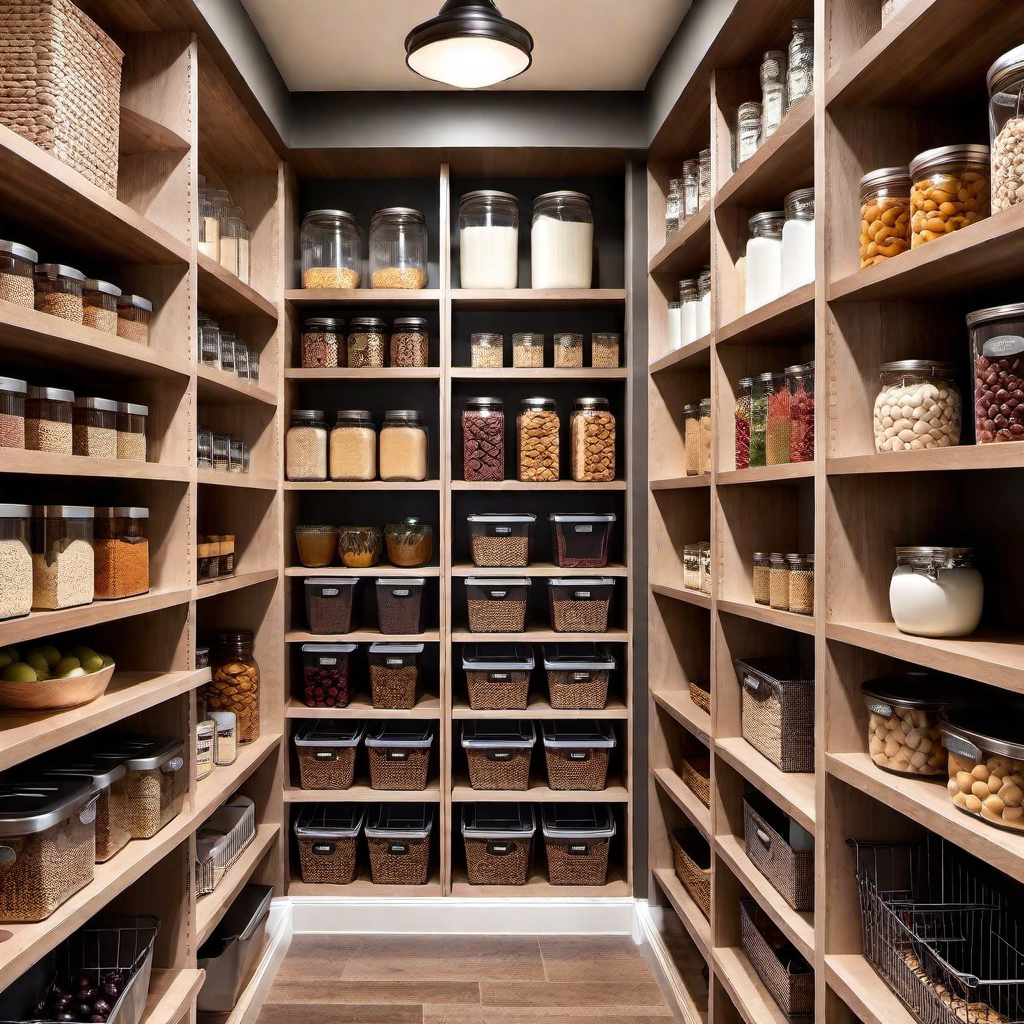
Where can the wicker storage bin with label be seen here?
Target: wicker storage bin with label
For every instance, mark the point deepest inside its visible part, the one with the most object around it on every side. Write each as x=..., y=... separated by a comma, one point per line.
x=577, y=838
x=788, y=977
x=778, y=711
x=398, y=837
x=399, y=755
x=780, y=849
x=499, y=842
x=577, y=754
x=691, y=856
x=328, y=840
x=498, y=753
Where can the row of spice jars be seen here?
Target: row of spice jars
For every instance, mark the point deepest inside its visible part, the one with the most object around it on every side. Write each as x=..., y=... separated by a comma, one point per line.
x=53, y=420
x=689, y=318
x=697, y=437
x=592, y=440
x=368, y=343
x=354, y=449
x=332, y=249
x=215, y=556
x=774, y=418
x=784, y=582
x=780, y=253
x=221, y=451
x=688, y=194
x=697, y=573
x=222, y=350
x=224, y=234
x=487, y=350
x=410, y=543
x=216, y=738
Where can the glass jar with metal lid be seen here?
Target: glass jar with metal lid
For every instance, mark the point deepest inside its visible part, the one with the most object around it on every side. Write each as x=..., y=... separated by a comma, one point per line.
x=761, y=578
x=760, y=391
x=689, y=311
x=704, y=181
x=800, y=72
x=409, y=543
x=204, y=447
x=778, y=582
x=592, y=436
x=691, y=439
x=489, y=240
x=673, y=208
x=17, y=264
x=776, y=445
x=12, y=412
x=704, y=308
x=774, y=93
x=562, y=240
x=235, y=683
x=1006, y=128
x=306, y=446
x=234, y=243
x=133, y=316
x=704, y=432
x=353, y=451
x=209, y=341
x=227, y=351
x=398, y=249
x=801, y=583
x=48, y=416
x=798, y=240
x=483, y=439
x=254, y=364
x=537, y=429
x=95, y=428
x=221, y=448
x=410, y=345
x=764, y=259
x=928, y=388
x=997, y=357
x=16, y=557
x=62, y=560
x=950, y=191
x=367, y=340
x=209, y=227
x=527, y=350
x=691, y=189
x=884, y=215
x=936, y=591
x=741, y=420
x=235, y=456
x=568, y=350
x=58, y=291
x=403, y=446
x=801, y=412
x=748, y=131
x=332, y=250
x=241, y=360
x=487, y=351
x=99, y=305
x=121, y=550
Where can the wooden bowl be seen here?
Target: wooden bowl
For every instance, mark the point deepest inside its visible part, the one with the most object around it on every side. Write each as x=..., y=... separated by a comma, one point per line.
x=55, y=694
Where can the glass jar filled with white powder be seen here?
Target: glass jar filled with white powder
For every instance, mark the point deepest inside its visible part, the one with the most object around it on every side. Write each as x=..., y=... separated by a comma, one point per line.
x=563, y=240
x=798, y=240
x=936, y=591
x=489, y=240
x=689, y=305
x=704, y=311
x=764, y=259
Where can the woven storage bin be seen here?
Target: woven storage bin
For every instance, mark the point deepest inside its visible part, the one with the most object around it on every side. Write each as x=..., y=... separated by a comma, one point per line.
x=577, y=839
x=695, y=771
x=498, y=753
x=499, y=842
x=60, y=85
x=701, y=697
x=786, y=974
x=692, y=856
x=398, y=753
x=328, y=840
x=778, y=711
x=770, y=837
x=577, y=753
x=398, y=838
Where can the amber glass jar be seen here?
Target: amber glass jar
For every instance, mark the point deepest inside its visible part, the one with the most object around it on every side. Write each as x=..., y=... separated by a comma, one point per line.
x=235, y=685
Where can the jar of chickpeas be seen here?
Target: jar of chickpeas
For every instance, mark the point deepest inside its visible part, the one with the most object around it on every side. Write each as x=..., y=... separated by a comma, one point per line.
x=950, y=191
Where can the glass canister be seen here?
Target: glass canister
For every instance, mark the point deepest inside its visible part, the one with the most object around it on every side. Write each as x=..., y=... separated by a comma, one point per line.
x=353, y=450
x=776, y=445
x=209, y=341
x=760, y=391
x=489, y=240
x=675, y=325
x=537, y=430
x=486, y=351
x=774, y=93
x=227, y=341
x=359, y=547
x=798, y=240
x=241, y=360
x=221, y=448
x=604, y=350
x=209, y=228
x=58, y=291
x=398, y=248
x=748, y=131
x=316, y=545
x=231, y=230
x=332, y=250
x=409, y=342
x=527, y=350
x=801, y=584
x=568, y=350
x=884, y=215
x=801, y=413
x=936, y=591
x=704, y=423
x=322, y=338
x=562, y=241
x=762, y=577
x=704, y=182
x=800, y=73
x=99, y=305
x=592, y=436
x=305, y=446
x=918, y=406
x=235, y=448
x=483, y=439
x=691, y=188
x=741, y=417
x=409, y=543
x=704, y=298
x=204, y=447
x=778, y=582
x=16, y=557
x=673, y=208
x=48, y=416
x=764, y=259
x=997, y=356
x=63, y=573
x=17, y=264
x=121, y=552
x=367, y=340
x=131, y=431
x=691, y=439
x=12, y=412
x=133, y=316
x=706, y=578
x=94, y=430
x=689, y=311
x=950, y=190
x=1006, y=128
x=235, y=683
x=254, y=364
x=403, y=446
x=691, y=566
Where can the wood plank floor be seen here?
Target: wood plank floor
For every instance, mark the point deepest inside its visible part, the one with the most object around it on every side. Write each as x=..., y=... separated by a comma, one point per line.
x=464, y=980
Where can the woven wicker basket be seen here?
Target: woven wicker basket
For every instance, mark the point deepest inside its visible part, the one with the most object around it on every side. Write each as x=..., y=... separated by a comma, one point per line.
x=701, y=697
x=778, y=711
x=695, y=771
x=786, y=974
x=692, y=856
x=765, y=831
x=60, y=85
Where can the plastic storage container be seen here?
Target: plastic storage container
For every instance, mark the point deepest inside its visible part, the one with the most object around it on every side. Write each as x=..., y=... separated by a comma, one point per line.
x=577, y=838
x=58, y=291
x=578, y=676
x=580, y=605
x=133, y=317
x=950, y=190
x=498, y=753
x=498, y=604
x=305, y=446
x=398, y=248
x=483, y=439
x=353, y=446
x=366, y=343
x=63, y=572
x=326, y=680
x=398, y=836
x=94, y=431
x=936, y=591
x=16, y=557
x=997, y=356
x=781, y=849
x=499, y=842
x=326, y=751
x=12, y=412
x=17, y=264
x=156, y=781
x=400, y=605
x=99, y=305
x=131, y=431
x=332, y=250
x=221, y=841
x=410, y=344
x=604, y=350
x=777, y=711
x=403, y=446
x=121, y=552
x=328, y=840
x=581, y=541
x=48, y=417
x=329, y=604
x=409, y=543
x=323, y=338
x=577, y=754
x=562, y=241
x=499, y=540
x=498, y=676
x=592, y=437
x=489, y=240
x=396, y=675
x=929, y=390
x=537, y=430
x=235, y=684
x=884, y=215
x=399, y=754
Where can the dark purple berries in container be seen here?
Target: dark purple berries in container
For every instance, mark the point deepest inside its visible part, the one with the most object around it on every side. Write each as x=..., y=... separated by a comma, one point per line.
x=326, y=676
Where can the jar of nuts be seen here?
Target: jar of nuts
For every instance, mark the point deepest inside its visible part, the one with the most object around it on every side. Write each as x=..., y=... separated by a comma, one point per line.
x=332, y=250
x=592, y=435
x=537, y=430
x=1006, y=129
x=59, y=291
x=235, y=685
x=884, y=215
x=604, y=350
x=917, y=407
x=398, y=248
x=322, y=338
x=950, y=190
x=409, y=343
x=997, y=344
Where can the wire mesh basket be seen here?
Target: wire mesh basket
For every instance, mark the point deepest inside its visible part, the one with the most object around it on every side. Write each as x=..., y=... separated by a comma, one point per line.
x=220, y=842
x=940, y=934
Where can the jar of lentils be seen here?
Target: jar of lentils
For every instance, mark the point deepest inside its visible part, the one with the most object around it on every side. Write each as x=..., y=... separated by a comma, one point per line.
x=398, y=248
x=332, y=250
x=367, y=338
x=537, y=429
x=604, y=350
x=322, y=338
x=409, y=342
x=17, y=263
x=12, y=412
x=801, y=584
x=762, y=577
x=354, y=446
x=133, y=316
x=94, y=431
x=58, y=291
x=99, y=305
x=306, y=446
x=592, y=435
x=568, y=350
x=486, y=351
x=527, y=350
x=48, y=419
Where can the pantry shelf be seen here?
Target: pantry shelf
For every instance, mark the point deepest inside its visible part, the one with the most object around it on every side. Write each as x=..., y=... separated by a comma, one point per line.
x=312, y=298
x=681, y=483
x=363, y=485
x=230, y=584
x=245, y=481
x=688, y=248
x=689, y=913
x=538, y=887
x=695, y=597
x=933, y=460
x=860, y=986
x=767, y=474
x=792, y=791
x=774, y=322
x=547, y=373
x=427, y=707
x=362, y=793
x=681, y=707
x=363, y=373
x=542, y=485
x=773, y=616
x=539, y=792
x=427, y=571
x=541, y=635
x=539, y=708
x=695, y=356
x=221, y=293
x=361, y=636
x=745, y=988
x=537, y=569
x=685, y=799
x=364, y=888
x=16, y=460
x=529, y=298
x=138, y=133
x=171, y=995
x=226, y=388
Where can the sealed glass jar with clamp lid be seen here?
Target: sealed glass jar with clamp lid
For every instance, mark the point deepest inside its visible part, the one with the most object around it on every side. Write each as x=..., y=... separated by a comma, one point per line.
x=748, y=131
x=322, y=339
x=593, y=437
x=568, y=350
x=604, y=350
x=58, y=291
x=353, y=454
x=121, y=552
x=133, y=317
x=398, y=248
x=235, y=684
x=409, y=342
x=483, y=439
x=764, y=259
x=48, y=417
x=527, y=350
x=950, y=190
x=798, y=240
x=403, y=446
x=16, y=561
x=562, y=241
x=741, y=417
x=63, y=572
x=884, y=215
x=12, y=412
x=800, y=73
x=489, y=240
x=537, y=430
x=774, y=93
x=997, y=350
x=306, y=446
x=936, y=591
x=918, y=406
x=1006, y=128
x=332, y=250
x=17, y=263
x=94, y=431
x=99, y=305
x=486, y=351
x=367, y=339
x=131, y=431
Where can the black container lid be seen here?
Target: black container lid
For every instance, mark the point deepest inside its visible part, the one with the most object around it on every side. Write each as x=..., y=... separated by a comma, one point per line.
x=30, y=806
x=921, y=691
x=579, y=657
x=103, y=771
x=330, y=821
x=498, y=821
x=995, y=728
x=498, y=657
x=399, y=821
x=400, y=734
x=483, y=734
x=578, y=735
x=328, y=732
x=578, y=821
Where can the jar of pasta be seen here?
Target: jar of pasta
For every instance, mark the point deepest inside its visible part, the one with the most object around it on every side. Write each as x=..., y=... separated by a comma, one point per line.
x=403, y=446
x=950, y=190
x=537, y=429
x=367, y=339
x=884, y=215
x=353, y=449
x=592, y=435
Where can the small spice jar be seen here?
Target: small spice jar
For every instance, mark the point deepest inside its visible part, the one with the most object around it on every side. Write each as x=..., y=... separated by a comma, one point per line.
x=884, y=215
x=95, y=428
x=568, y=350
x=398, y=248
x=322, y=336
x=704, y=431
x=527, y=350
x=410, y=543
x=221, y=452
x=12, y=412
x=748, y=131
x=359, y=547
x=801, y=584
x=62, y=559
x=691, y=439
x=486, y=351
x=235, y=685
x=761, y=577
x=133, y=316
x=353, y=454
x=928, y=389
x=403, y=446
x=120, y=552
x=58, y=291
x=741, y=418
x=16, y=558
x=592, y=436
x=99, y=305
x=776, y=448
x=801, y=413
x=604, y=350
x=483, y=439
x=778, y=582
x=367, y=338
x=48, y=417
x=305, y=446
x=316, y=545
x=760, y=390
x=537, y=431
x=17, y=263
x=225, y=740
x=950, y=190
x=409, y=342
x=131, y=431
x=332, y=250
x=691, y=567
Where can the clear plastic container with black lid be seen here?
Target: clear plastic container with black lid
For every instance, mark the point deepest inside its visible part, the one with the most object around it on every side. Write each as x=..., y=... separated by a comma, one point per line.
x=499, y=842
x=398, y=837
x=133, y=316
x=48, y=416
x=94, y=430
x=12, y=412
x=577, y=754
x=328, y=840
x=399, y=754
x=578, y=675
x=329, y=604
x=581, y=541
x=15, y=547
x=578, y=839
x=131, y=431
x=326, y=751
x=100, y=305
x=400, y=605
x=501, y=540
x=17, y=263
x=498, y=753
x=498, y=676
x=58, y=291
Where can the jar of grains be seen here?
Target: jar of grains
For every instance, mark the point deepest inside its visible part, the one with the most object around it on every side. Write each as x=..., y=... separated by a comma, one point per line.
x=17, y=263
x=305, y=455
x=209, y=341
x=48, y=416
x=568, y=350
x=410, y=543
x=409, y=342
x=58, y=291
x=227, y=342
x=537, y=431
x=403, y=446
x=748, y=131
x=489, y=240
x=950, y=190
x=562, y=240
x=15, y=561
x=332, y=250
x=483, y=439
x=94, y=431
x=592, y=435
x=527, y=350
x=353, y=446
x=778, y=582
x=762, y=577
x=776, y=446
x=604, y=350
x=801, y=584
x=691, y=439
x=398, y=248
x=1006, y=128
x=884, y=215
x=99, y=305
x=918, y=406
x=12, y=412
x=759, y=392
x=705, y=436
x=62, y=561
x=367, y=339
x=486, y=351
x=741, y=417
x=131, y=431
x=322, y=338
x=133, y=316
x=997, y=350
x=121, y=552
x=801, y=413
x=235, y=685
x=704, y=181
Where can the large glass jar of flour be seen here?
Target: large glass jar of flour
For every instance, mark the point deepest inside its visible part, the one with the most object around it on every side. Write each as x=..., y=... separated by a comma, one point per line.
x=936, y=592
x=563, y=240
x=489, y=240
x=764, y=259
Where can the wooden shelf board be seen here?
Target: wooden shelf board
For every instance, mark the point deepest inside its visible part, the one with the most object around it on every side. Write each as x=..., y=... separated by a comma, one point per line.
x=527, y=298
x=538, y=707
x=776, y=321
x=685, y=799
x=543, y=485
x=546, y=373
x=171, y=995
x=688, y=248
x=540, y=792
x=361, y=636
x=689, y=913
x=360, y=706
x=229, y=389
x=861, y=987
x=366, y=373
x=933, y=460
x=681, y=707
x=232, y=583
x=16, y=460
x=428, y=571
x=224, y=780
x=773, y=616
x=364, y=888
x=767, y=474
x=695, y=356
x=681, y=483
x=538, y=887
x=210, y=908
x=541, y=635
x=362, y=485
x=311, y=298
x=798, y=927
x=360, y=794
x=246, y=481
x=138, y=133
x=221, y=292
x=697, y=597
x=536, y=569
x=745, y=988
x=793, y=791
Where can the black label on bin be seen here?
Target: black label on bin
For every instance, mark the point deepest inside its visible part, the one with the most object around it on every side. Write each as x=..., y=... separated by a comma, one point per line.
x=398, y=849
x=579, y=755
x=397, y=755
x=325, y=755
x=1002, y=346
x=500, y=849
x=577, y=849
x=500, y=755
x=323, y=849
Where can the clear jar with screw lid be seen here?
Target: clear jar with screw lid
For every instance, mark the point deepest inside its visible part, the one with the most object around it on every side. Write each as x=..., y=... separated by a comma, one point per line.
x=691, y=188
x=487, y=350
x=354, y=446
x=322, y=337
x=704, y=182
x=764, y=259
x=748, y=131
x=306, y=446
x=537, y=430
x=204, y=447
x=209, y=341
x=762, y=577
x=800, y=74
x=527, y=350
x=704, y=309
x=562, y=241
x=410, y=344
x=673, y=208
x=227, y=341
x=332, y=250
x=367, y=340
x=133, y=317
x=489, y=240
x=593, y=438
x=398, y=249
x=16, y=579
x=12, y=412
x=131, y=431
x=884, y=214
x=773, y=92
x=798, y=240
x=403, y=446
x=604, y=350
x=568, y=350
x=48, y=416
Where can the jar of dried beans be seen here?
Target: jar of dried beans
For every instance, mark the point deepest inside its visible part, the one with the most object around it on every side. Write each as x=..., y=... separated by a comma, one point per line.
x=704, y=431
x=776, y=449
x=48, y=416
x=332, y=250
x=997, y=351
x=367, y=338
x=592, y=435
x=801, y=584
x=58, y=291
x=741, y=416
x=604, y=350
x=17, y=263
x=398, y=248
x=483, y=439
x=568, y=350
x=94, y=431
x=235, y=685
x=691, y=439
x=537, y=431
x=63, y=573
x=121, y=552
x=486, y=351
x=15, y=561
x=409, y=343
x=527, y=350
x=801, y=413
x=99, y=308
x=354, y=446
x=322, y=338
x=131, y=431
x=762, y=577
x=403, y=446
x=760, y=390
x=306, y=446
x=12, y=412
x=950, y=190
x=918, y=406
x=778, y=582
x=133, y=316
x=884, y=215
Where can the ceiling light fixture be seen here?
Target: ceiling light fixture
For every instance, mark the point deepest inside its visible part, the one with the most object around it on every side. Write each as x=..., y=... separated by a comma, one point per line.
x=469, y=45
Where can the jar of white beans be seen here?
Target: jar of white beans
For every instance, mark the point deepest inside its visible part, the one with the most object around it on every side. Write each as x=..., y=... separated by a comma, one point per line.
x=917, y=407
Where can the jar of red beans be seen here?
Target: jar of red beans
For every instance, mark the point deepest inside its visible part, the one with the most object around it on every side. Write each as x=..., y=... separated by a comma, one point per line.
x=742, y=422
x=776, y=446
x=997, y=344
